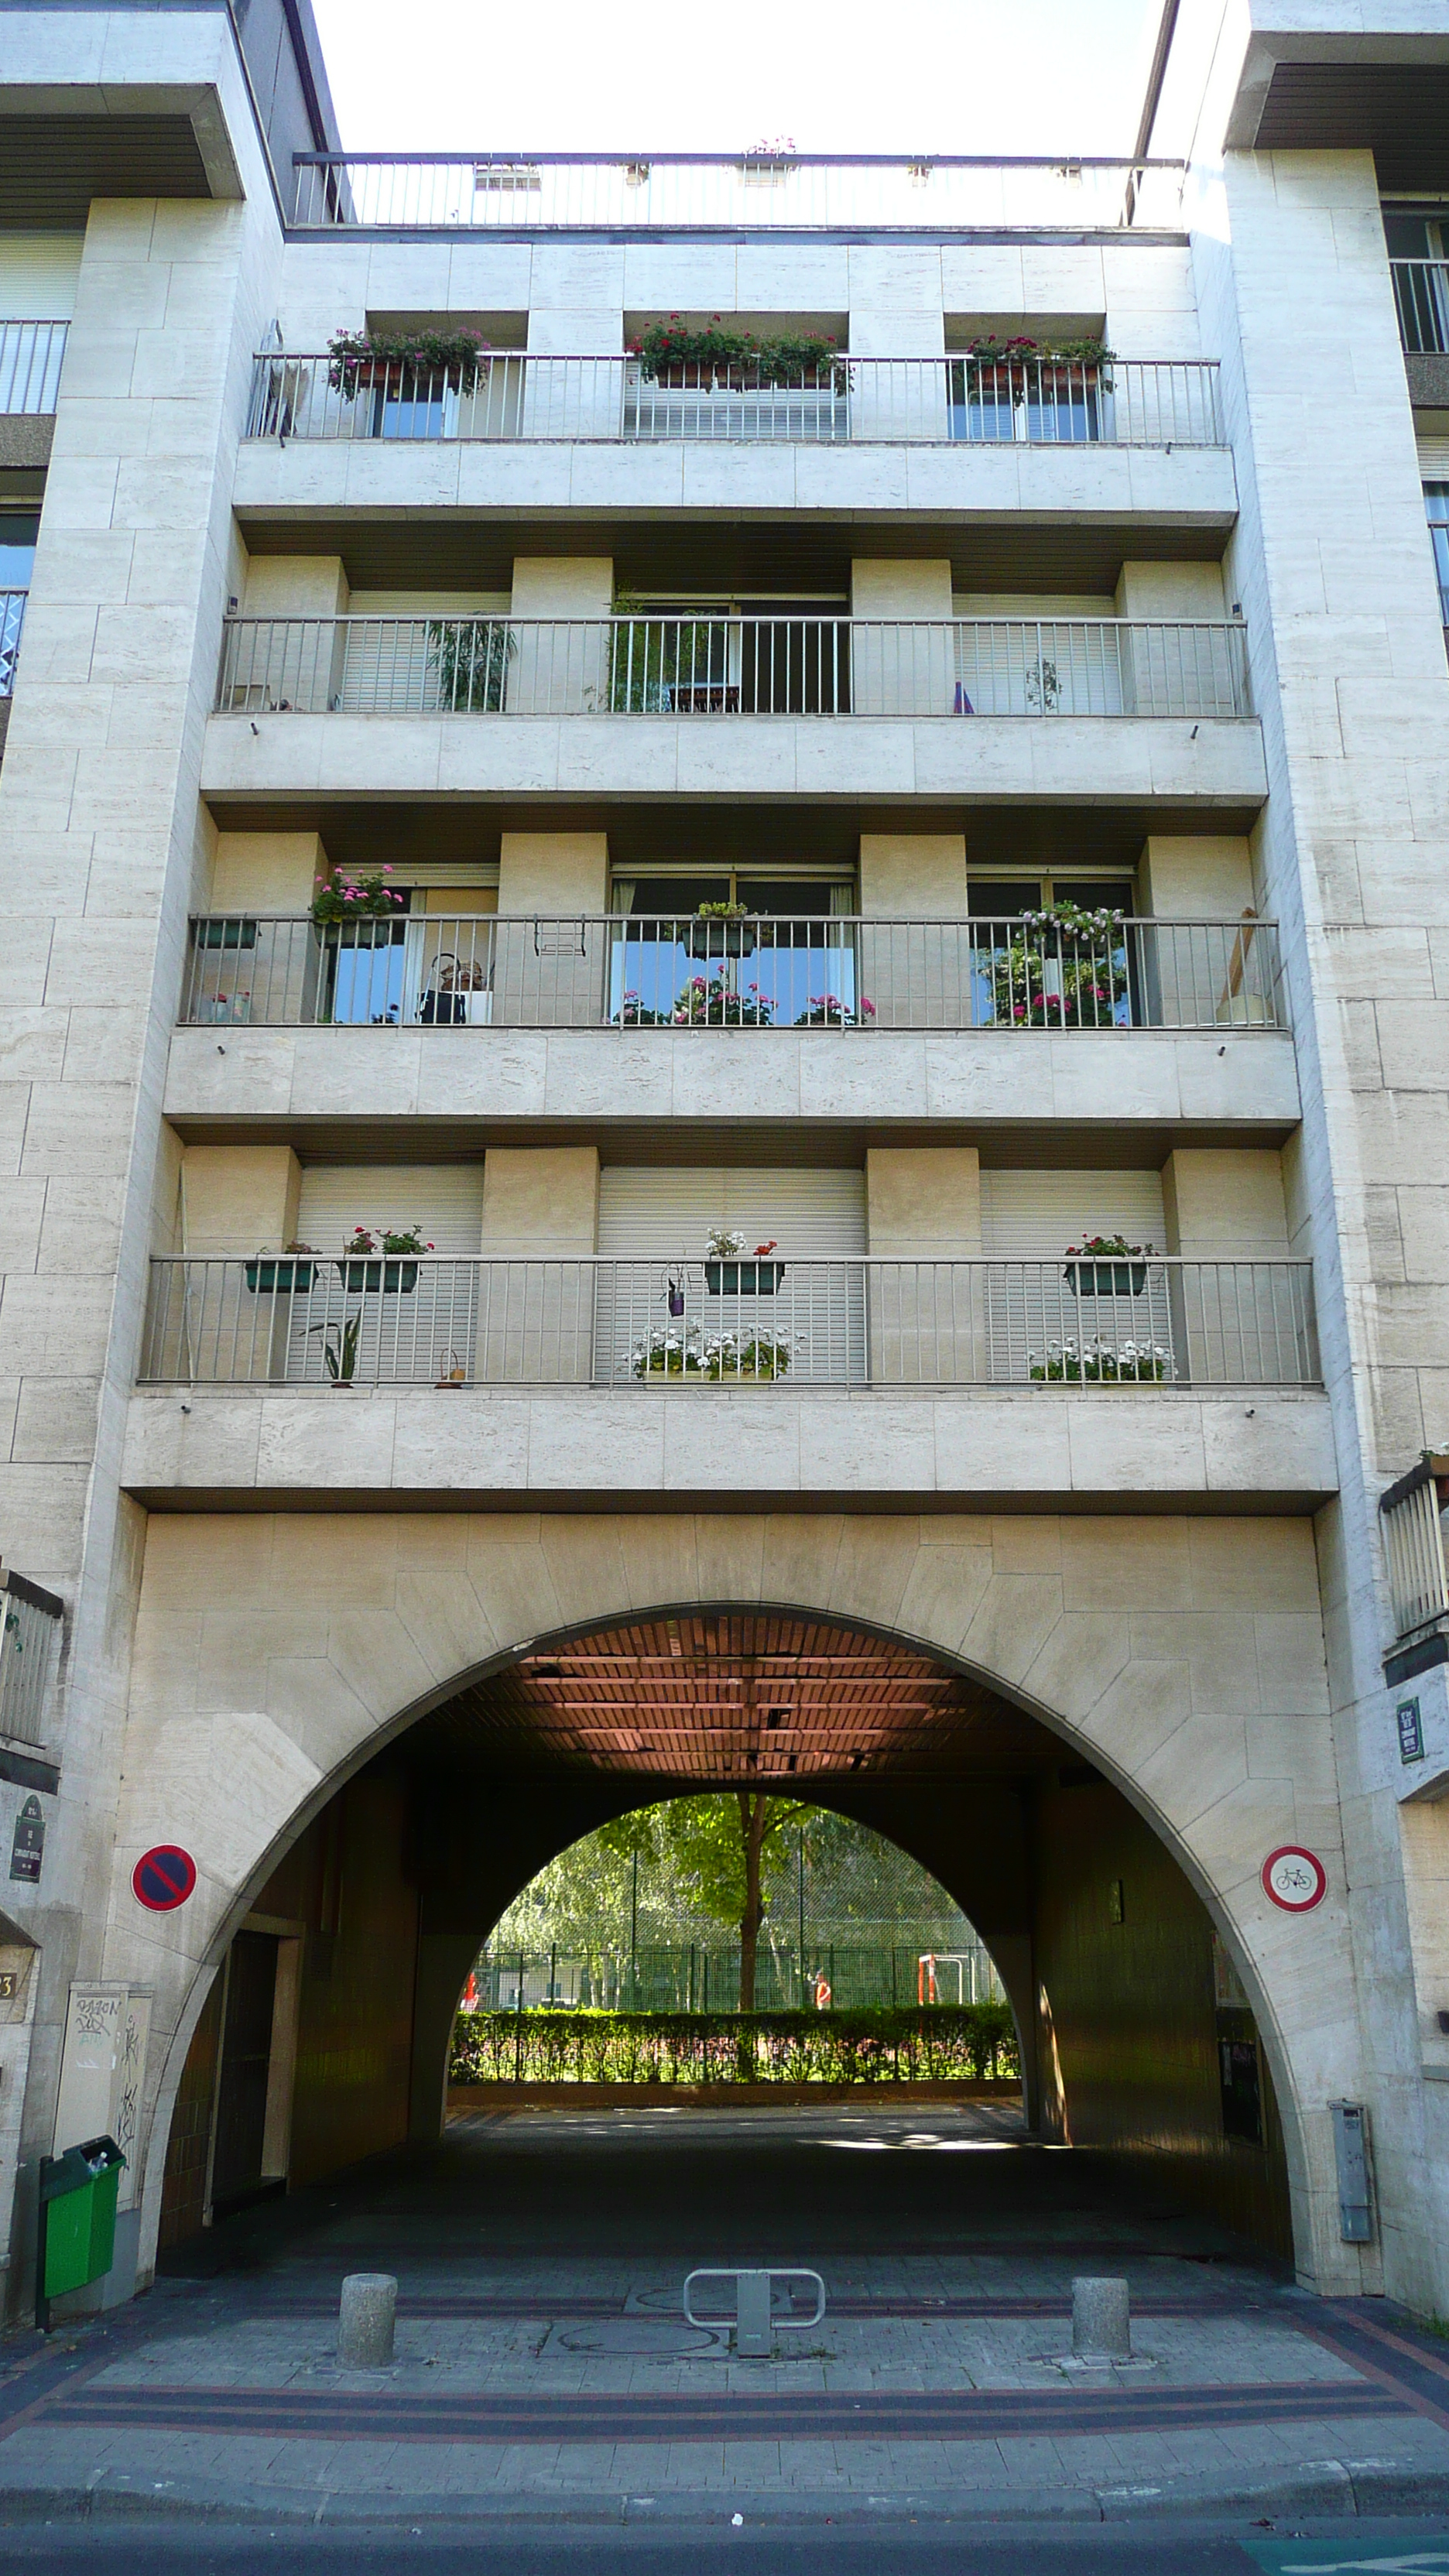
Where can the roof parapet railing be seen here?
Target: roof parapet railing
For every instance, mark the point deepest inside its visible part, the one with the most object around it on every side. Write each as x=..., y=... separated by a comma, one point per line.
x=1412, y=1511
x=756, y=188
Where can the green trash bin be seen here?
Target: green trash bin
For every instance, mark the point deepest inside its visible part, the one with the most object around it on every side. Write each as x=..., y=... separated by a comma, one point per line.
x=78, y=2215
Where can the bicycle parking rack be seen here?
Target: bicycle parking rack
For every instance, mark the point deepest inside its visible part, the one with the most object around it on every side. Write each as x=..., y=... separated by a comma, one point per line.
x=755, y=2317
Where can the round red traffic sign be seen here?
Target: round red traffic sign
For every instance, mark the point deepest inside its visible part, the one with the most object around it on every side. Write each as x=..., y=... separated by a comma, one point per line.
x=163, y=1878
x=1294, y=1878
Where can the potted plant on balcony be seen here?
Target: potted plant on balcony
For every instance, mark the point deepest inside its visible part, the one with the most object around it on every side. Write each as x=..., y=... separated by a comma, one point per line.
x=471, y=656
x=339, y=1348
x=1056, y=367
x=1106, y=1265
x=1101, y=1363
x=828, y=1011
x=720, y=359
x=404, y=365
x=344, y=894
x=706, y=1002
x=362, y=1275
x=726, y=1275
x=736, y=1356
x=270, y=1276
x=668, y=1350
x=1060, y=968
x=720, y=930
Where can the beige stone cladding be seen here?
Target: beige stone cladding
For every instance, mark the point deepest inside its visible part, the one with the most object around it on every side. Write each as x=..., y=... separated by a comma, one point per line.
x=99, y=853
x=1184, y=1656
x=1336, y=581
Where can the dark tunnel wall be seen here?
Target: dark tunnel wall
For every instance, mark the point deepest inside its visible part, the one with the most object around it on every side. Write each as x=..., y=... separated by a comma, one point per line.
x=1132, y=2024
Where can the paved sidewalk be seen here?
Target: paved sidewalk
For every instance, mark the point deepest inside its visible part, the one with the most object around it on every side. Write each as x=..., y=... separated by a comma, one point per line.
x=567, y=2380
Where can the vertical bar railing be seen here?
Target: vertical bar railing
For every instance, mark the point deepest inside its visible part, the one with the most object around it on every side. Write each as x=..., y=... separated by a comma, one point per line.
x=12, y=619
x=303, y=1317
x=840, y=973
x=727, y=666
x=31, y=357
x=1421, y=298
x=1413, y=1528
x=508, y=394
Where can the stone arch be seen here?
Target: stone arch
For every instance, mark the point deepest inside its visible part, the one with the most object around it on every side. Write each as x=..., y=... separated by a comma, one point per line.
x=1182, y=1659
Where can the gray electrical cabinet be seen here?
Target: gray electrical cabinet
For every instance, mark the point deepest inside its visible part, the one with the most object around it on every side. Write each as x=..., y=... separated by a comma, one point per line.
x=1355, y=2196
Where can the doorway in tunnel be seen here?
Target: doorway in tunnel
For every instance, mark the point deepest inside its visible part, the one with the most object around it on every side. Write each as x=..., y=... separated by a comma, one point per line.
x=1137, y=2043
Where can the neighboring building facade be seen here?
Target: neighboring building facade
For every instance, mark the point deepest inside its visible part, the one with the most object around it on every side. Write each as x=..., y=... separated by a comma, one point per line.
x=916, y=807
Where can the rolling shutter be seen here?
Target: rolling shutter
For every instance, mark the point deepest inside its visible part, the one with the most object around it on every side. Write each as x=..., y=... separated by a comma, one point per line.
x=658, y=1219
x=1031, y=1218
x=417, y=1332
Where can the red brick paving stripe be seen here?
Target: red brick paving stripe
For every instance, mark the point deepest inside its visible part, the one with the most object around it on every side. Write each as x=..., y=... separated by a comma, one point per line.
x=965, y=2415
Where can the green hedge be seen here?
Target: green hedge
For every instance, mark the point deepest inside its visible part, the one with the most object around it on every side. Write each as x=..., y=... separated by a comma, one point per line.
x=943, y=2044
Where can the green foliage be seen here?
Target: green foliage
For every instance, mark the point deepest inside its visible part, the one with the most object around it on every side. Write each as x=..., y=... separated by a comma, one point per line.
x=352, y=894
x=471, y=656
x=1022, y=351
x=339, y=1348
x=650, y=656
x=1088, y=956
x=718, y=358
x=702, y=1840
x=404, y=363
x=942, y=2044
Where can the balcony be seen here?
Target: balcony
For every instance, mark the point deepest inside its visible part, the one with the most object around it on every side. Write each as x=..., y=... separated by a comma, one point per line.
x=692, y=667
x=855, y=401
x=1412, y=1511
x=1090, y=1327
x=1421, y=295
x=490, y=1383
x=31, y=355
x=837, y=974
x=703, y=192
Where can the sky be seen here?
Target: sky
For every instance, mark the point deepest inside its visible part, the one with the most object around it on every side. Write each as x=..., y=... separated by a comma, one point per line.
x=927, y=76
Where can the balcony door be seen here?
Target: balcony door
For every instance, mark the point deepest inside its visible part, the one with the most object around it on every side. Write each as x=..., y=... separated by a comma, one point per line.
x=790, y=963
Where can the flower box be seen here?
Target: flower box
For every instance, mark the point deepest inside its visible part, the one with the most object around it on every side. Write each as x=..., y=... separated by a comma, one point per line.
x=743, y=1278
x=392, y=1278
x=719, y=938
x=1106, y=1278
x=282, y=1278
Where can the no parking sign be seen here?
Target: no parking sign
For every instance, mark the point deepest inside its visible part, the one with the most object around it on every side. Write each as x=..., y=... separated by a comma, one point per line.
x=163, y=1878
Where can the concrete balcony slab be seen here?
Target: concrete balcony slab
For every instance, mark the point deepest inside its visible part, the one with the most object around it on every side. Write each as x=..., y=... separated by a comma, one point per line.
x=1148, y=1449
x=1212, y=763
x=290, y=1080
x=1178, y=487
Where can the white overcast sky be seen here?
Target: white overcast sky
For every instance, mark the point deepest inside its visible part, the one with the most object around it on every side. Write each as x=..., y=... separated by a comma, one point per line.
x=898, y=76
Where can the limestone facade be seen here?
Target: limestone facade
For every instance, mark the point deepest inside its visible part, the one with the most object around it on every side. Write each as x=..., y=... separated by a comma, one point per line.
x=267, y=1584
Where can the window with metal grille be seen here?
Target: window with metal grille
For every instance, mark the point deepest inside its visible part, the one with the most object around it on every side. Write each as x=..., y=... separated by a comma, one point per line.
x=29, y=1640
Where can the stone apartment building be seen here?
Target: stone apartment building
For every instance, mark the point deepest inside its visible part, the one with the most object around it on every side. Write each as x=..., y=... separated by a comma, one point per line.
x=864, y=821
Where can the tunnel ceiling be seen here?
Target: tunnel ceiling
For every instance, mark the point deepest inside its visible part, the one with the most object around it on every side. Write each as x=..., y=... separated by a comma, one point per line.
x=710, y=1696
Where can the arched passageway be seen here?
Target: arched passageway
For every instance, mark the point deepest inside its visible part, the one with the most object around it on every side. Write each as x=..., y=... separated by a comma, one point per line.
x=326, y=2038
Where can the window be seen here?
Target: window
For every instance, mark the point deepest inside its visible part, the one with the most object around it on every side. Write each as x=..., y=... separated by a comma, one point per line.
x=1418, y=246
x=18, y=533
x=787, y=959
x=1436, y=502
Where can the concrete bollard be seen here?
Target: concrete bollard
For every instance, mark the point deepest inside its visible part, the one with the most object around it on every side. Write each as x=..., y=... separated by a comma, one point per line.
x=1101, y=2321
x=366, y=2321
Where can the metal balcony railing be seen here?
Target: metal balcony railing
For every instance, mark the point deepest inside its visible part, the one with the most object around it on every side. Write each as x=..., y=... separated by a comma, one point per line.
x=30, y=1627
x=12, y=618
x=833, y=972
x=1421, y=293
x=30, y=363
x=726, y=666
x=1412, y=1513
x=762, y=190
x=301, y=1318
x=928, y=401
